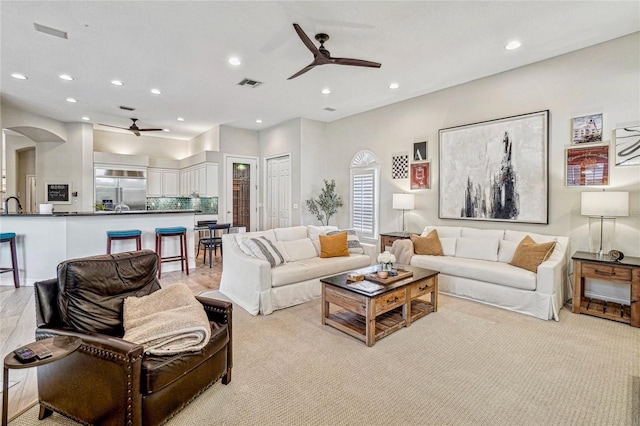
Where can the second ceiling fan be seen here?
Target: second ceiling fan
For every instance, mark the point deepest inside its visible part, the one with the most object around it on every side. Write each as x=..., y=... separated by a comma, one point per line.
x=321, y=56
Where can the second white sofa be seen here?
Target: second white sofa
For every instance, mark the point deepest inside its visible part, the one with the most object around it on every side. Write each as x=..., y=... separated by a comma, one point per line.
x=256, y=286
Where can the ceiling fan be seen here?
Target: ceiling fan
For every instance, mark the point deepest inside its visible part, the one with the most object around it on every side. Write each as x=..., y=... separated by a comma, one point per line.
x=133, y=128
x=321, y=56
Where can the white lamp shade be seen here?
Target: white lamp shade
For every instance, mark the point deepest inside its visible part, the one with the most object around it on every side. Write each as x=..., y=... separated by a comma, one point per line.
x=403, y=201
x=604, y=204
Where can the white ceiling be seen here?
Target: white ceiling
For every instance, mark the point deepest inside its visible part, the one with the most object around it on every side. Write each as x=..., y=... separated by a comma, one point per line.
x=182, y=48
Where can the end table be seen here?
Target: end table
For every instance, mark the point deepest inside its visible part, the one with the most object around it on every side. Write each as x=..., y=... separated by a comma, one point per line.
x=60, y=347
x=387, y=238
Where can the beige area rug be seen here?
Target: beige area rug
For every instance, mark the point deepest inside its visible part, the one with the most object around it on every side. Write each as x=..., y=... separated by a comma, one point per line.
x=467, y=364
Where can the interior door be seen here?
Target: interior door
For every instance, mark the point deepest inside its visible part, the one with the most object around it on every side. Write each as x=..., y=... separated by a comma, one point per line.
x=241, y=192
x=278, y=197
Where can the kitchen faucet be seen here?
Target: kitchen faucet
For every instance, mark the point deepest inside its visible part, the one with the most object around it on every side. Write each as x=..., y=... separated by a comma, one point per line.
x=6, y=205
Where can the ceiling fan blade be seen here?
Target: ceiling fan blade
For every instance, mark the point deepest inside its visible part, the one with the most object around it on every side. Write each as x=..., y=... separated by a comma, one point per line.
x=307, y=42
x=302, y=71
x=117, y=127
x=355, y=62
x=149, y=130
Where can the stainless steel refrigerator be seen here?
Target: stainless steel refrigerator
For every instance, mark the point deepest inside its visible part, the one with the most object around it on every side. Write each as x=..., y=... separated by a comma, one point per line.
x=121, y=189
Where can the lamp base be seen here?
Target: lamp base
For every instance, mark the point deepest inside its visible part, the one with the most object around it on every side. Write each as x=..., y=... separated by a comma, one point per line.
x=601, y=234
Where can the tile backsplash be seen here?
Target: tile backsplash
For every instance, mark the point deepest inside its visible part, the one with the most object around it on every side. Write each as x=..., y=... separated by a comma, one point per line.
x=207, y=205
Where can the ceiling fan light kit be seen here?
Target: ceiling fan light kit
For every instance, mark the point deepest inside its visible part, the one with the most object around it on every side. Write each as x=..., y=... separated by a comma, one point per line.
x=321, y=56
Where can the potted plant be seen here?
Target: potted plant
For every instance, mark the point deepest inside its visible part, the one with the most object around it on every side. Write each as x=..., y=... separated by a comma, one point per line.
x=327, y=203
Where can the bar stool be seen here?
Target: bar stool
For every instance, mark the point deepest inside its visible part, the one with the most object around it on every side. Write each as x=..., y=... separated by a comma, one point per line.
x=180, y=232
x=131, y=234
x=10, y=237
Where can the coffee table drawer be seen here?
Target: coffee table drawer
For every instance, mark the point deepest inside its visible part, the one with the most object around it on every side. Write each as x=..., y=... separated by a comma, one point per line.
x=421, y=288
x=389, y=301
x=346, y=299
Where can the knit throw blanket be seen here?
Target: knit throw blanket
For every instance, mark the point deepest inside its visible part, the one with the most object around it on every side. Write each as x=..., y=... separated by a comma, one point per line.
x=166, y=322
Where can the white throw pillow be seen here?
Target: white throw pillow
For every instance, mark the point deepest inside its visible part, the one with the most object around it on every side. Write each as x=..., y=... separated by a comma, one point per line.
x=481, y=249
x=517, y=236
x=448, y=246
x=292, y=233
x=262, y=248
x=352, y=240
x=280, y=246
x=300, y=249
x=507, y=250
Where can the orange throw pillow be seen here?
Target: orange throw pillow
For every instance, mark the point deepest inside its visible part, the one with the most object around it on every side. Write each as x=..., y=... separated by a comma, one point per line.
x=334, y=245
x=427, y=245
x=530, y=255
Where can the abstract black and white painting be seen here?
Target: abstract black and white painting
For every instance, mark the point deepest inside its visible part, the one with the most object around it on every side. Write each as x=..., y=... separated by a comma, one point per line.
x=400, y=166
x=496, y=170
x=628, y=146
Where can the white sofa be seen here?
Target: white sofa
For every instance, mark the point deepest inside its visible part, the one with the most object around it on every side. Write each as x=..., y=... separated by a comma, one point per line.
x=259, y=288
x=476, y=266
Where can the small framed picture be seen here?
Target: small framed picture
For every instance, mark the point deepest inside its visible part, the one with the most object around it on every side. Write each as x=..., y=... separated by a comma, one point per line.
x=587, y=129
x=587, y=166
x=420, y=151
x=420, y=177
x=627, y=146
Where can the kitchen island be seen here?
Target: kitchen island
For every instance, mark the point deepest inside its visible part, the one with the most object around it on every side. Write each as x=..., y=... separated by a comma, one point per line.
x=45, y=240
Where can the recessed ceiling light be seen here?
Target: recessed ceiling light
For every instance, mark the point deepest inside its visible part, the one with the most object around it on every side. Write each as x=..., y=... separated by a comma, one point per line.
x=326, y=91
x=513, y=45
x=65, y=77
x=259, y=121
x=72, y=100
x=394, y=86
x=86, y=118
x=180, y=119
x=19, y=76
x=156, y=91
x=117, y=83
x=234, y=61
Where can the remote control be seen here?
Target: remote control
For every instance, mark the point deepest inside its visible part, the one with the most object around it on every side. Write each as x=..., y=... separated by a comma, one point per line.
x=25, y=354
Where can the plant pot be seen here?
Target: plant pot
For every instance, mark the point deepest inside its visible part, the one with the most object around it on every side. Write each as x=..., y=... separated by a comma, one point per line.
x=383, y=274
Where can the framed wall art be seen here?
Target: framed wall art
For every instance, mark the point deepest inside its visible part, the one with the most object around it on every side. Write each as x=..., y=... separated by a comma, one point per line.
x=420, y=151
x=400, y=166
x=587, y=129
x=496, y=170
x=627, y=146
x=587, y=166
x=420, y=178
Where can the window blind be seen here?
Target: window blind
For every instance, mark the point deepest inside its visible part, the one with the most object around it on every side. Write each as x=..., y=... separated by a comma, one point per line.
x=363, y=192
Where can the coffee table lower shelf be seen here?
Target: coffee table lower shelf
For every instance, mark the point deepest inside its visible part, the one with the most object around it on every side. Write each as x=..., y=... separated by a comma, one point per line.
x=386, y=323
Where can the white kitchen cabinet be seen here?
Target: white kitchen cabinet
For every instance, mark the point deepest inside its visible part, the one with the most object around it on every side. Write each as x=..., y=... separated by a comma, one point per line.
x=201, y=179
x=163, y=182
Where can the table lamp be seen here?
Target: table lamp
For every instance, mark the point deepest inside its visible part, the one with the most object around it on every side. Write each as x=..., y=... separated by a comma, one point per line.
x=403, y=202
x=601, y=206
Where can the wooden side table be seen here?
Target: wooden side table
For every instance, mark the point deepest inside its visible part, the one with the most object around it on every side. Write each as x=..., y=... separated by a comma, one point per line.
x=626, y=271
x=60, y=347
x=387, y=238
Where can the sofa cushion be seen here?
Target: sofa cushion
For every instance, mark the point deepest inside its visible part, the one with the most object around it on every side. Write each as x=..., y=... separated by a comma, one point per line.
x=316, y=268
x=91, y=290
x=269, y=234
x=314, y=232
x=334, y=245
x=482, y=233
x=481, y=270
x=477, y=248
x=353, y=242
x=283, y=251
x=517, y=236
x=530, y=255
x=262, y=248
x=443, y=231
x=506, y=250
x=292, y=233
x=299, y=249
x=429, y=244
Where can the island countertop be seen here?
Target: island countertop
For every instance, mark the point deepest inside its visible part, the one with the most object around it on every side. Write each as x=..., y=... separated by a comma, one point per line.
x=45, y=240
x=101, y=213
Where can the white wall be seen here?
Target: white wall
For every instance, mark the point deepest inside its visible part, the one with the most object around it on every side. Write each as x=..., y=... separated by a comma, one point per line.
x=207, y=141
x=130, y=144
x=602, y=78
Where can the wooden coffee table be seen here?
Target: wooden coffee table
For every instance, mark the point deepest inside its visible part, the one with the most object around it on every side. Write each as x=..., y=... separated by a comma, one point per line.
x=369, y=310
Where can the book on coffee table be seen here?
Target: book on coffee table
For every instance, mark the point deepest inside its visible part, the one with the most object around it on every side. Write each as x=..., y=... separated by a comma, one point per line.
x=367, y=286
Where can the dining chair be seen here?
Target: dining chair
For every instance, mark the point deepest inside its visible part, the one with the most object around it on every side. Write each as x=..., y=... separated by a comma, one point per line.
x=214, y=241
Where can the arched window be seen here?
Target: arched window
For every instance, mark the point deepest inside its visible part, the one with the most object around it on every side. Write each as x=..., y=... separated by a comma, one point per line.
x=364, y=193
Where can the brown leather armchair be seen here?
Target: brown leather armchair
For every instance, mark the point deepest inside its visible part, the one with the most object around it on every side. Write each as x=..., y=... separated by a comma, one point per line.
x=110, y=381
